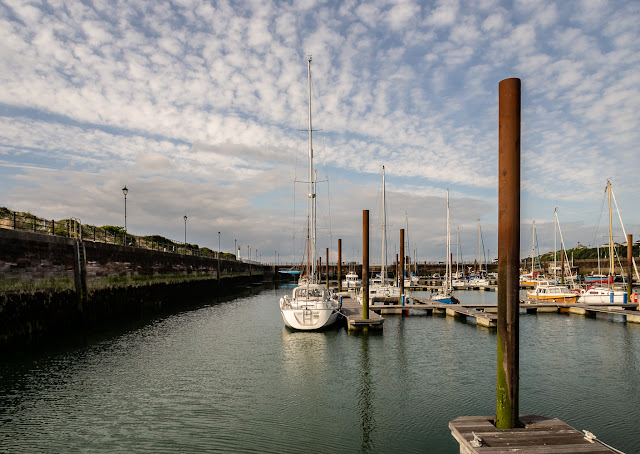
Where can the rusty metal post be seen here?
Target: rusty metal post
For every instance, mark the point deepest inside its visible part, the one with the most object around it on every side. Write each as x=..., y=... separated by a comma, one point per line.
x=508, y=253
x=365, y=264
x=327, y=267
x=629, y=266
x=401, y=268
x=339, y=270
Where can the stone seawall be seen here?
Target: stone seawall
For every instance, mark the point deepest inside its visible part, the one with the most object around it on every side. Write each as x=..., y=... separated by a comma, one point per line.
x=26, y=255
x=51, y=284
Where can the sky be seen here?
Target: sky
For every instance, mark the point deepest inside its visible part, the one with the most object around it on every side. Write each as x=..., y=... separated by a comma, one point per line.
x=200, y=109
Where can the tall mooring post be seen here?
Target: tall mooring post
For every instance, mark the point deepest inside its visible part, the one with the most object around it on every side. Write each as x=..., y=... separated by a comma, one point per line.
x=517, y=433
x=508, y=253
x=339, y=271
x=327, y=267
x=629, y=266
x=401, y=268
x=365, y=264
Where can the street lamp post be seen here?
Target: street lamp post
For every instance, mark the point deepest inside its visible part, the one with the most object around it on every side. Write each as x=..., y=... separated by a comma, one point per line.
x=185, y=233
x=235, y=248
x=125, y=191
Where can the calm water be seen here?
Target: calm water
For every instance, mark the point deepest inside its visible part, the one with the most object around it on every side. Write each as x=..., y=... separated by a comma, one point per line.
x=229, y=377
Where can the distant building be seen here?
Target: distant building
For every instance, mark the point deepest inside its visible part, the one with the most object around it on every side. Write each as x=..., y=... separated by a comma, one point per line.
x=581, y=246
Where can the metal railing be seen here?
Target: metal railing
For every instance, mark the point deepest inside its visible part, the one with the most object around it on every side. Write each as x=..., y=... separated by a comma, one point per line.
x=73, y=228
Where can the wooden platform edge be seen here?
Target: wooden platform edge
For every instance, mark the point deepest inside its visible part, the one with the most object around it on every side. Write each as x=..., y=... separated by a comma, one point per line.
x=539, y=435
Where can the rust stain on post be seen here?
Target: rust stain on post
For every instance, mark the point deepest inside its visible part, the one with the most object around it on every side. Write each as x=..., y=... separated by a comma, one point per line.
x=508, y=253
x=365, y=264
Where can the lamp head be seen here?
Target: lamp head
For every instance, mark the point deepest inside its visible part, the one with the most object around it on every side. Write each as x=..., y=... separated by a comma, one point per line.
x=124, y=191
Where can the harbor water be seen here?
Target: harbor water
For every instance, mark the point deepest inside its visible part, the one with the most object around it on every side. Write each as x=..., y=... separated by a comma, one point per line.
x=227, y=376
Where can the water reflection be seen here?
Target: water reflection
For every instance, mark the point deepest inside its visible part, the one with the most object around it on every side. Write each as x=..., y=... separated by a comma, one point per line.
x=365, y=394
x=304, y=354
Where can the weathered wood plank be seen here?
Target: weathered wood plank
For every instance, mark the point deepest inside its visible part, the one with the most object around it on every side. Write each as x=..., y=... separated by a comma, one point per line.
x=539, y=435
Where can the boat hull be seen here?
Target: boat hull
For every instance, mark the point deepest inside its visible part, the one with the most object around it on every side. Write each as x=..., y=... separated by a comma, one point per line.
x=554, y=298
x=309, y=319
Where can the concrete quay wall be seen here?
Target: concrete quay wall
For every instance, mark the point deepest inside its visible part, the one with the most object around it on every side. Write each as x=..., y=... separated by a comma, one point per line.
x=124, y=282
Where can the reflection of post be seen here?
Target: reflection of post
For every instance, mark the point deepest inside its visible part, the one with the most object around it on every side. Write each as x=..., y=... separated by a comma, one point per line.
x=365, y=264
x=508, y=253
x=365, y=393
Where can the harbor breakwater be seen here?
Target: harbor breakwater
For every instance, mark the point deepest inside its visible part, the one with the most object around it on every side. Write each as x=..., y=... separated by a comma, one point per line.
x=50, y=284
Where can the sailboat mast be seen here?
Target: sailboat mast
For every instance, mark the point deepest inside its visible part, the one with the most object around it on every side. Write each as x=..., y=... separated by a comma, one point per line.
x=458, y=252
x=407, y=251
x=555, y=247
x=479, y=248
x=533, y=247
x=610, y=234
x=383, y=267
x=448, y=270
x=312, y=192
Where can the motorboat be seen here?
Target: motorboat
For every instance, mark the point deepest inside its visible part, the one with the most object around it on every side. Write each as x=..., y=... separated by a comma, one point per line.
x=553, y=293
x=352, y=281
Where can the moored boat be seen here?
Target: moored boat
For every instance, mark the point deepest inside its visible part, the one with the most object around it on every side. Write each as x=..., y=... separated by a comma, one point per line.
x=311, y=305
x=352, y=281
x=553, y=293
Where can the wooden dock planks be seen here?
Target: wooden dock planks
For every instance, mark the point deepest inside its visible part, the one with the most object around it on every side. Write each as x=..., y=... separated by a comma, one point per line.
x=352, y=311
x=539, y=435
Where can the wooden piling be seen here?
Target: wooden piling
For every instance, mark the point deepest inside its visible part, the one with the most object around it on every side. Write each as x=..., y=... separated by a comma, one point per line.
x=365, y=264
x=629, y=266
x=327, y=267
x=401, y=268
x=339, y=264
x=508, y=253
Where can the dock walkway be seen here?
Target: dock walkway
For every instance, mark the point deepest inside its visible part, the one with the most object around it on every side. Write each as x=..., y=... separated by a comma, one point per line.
x=352, y=311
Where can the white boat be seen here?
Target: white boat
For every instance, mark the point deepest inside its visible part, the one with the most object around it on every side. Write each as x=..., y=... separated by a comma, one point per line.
x=352, y=281
x=553, y=293
x=602, y=295
x=381, y=286
x=310, y=306
x=445, y=295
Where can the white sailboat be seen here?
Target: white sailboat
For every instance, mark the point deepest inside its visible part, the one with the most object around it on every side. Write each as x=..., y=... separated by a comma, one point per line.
x=445, y=295
x=480, y=279
x=410, y=280
x=310, y=306
x=381, y=286
x=602, y=294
